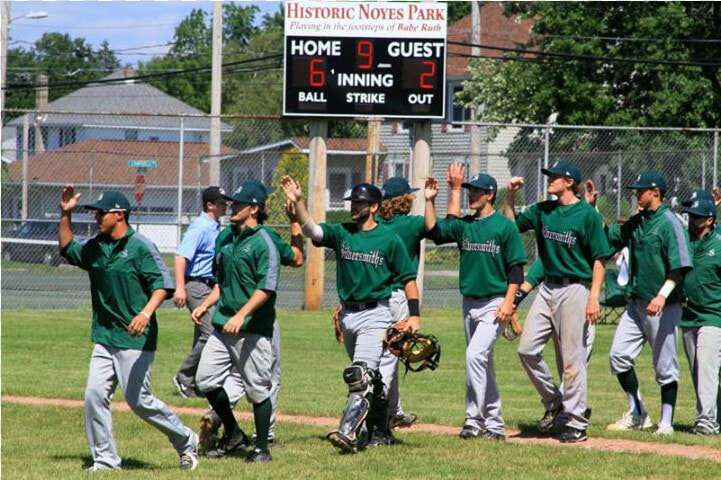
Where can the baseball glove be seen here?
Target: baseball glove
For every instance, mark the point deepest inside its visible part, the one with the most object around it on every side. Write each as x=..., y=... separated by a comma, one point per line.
x=412, y=348
x=513, y=327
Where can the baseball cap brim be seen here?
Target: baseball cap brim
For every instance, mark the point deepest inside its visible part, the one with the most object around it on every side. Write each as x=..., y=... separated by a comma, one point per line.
x=98, y=206
x=470, y=185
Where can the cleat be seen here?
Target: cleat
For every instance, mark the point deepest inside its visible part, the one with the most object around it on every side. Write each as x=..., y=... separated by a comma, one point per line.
x=469, y=431
x=549, y=418
x=630, y=421
x=189, y=460
x=404, y=420
x=258, y=456
x=572, y=435
x=342, y=442
x=229, y=444
x=489, y=435
x=664, y=429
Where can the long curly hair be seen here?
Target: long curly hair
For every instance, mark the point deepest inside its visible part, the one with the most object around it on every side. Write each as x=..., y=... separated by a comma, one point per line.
x=396, y=205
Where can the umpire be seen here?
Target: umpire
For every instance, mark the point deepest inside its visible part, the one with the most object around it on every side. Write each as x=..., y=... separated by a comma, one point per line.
x=128, y=282
x=194, y=280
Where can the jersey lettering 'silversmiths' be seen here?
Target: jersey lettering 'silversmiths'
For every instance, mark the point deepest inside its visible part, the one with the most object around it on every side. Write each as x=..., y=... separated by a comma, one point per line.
x=373, y=257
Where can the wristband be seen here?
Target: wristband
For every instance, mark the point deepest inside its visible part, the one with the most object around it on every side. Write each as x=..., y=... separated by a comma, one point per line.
x=518, y=297
x=667, y=288
x=145, y=314
x=414, y=308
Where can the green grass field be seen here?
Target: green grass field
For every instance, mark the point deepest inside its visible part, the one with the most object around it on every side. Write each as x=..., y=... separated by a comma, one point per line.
x=46, y=353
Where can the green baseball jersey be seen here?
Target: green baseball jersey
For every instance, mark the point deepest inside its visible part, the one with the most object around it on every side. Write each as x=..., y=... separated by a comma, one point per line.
x=287, y=255
x=535, y=274
x=658, y=243
x=411, y=231
x=250, y=261
x=569, y=237
x=368, y=262
x=703, y=283
x=123, y=275
x=489, y=247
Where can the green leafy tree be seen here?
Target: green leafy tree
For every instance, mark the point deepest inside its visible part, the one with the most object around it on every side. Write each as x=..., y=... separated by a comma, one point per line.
x=294, y=163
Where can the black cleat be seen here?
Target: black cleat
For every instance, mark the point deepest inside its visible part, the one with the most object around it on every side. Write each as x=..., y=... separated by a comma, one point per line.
x=549, y=418
x=258, y=456
x=229, y=444
x=587, y=414
x=572, y=435
x=381, y=438
x=469, y=431
x=404, y=420
x=342, y=442
x=489, y=435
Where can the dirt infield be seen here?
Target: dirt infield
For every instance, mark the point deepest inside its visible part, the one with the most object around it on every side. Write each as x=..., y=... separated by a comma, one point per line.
x=607, y=444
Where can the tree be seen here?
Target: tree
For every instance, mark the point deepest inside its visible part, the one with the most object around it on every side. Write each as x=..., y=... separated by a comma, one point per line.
x=531, y=88
x=295, y=164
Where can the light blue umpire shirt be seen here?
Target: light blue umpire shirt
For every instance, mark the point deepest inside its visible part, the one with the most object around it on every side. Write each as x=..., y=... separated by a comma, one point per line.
x=198, y=246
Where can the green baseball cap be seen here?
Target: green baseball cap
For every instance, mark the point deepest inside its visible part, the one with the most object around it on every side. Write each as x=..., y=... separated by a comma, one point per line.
x=252, y=192
x=564, y=169
x=396, y=186
x=110, y=202
x=698, y=195
x=701, y=207
x=482, y=181
x=649, y=180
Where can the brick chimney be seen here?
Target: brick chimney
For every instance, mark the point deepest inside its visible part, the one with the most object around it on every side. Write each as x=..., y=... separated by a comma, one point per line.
x=41, y=104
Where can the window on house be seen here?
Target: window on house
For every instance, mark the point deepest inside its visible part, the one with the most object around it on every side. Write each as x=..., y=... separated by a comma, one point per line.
x=458, y=113
x=131, y=135
x=67, y=136
x=404, y=127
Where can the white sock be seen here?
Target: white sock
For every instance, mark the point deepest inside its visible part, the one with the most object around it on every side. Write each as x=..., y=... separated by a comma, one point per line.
x=666, y=414
x=632, y=404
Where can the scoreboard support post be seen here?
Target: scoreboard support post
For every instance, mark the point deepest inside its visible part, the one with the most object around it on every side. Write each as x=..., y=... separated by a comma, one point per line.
x=314, y=273
x=421, y=169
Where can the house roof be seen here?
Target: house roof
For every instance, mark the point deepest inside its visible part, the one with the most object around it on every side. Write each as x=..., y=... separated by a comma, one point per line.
x=337, y=146
x=496, y=29
x=125, y=97
x=109, y=160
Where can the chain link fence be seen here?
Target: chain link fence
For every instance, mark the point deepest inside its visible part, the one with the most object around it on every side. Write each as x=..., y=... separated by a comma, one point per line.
x=161, y=163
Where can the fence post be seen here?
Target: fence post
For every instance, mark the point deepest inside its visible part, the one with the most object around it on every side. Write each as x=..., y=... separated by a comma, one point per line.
x=26, y=147
x=420, y=171
x=546, y=141
x=317, y=155
x=703, y=170
x=619, y=190
x=715, y=158
x=181, y=143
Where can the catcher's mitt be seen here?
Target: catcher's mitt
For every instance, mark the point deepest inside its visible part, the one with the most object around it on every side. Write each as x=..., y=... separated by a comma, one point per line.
x=513, y=327
x=412, y=348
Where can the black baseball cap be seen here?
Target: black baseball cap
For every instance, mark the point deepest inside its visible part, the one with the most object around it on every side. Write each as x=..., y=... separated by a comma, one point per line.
x=110, y=202
x=701, y=207
x=649, y=180
x=252, y=192
x=482, y=181
x=213, y=194
x=365, y=192
x=564, y=169
x=396, y=186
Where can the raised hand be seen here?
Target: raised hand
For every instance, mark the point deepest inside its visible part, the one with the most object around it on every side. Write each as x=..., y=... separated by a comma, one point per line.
x=590, y=194
x=455, y=175
x=69, y=199
x=716, y=196
x=431, y=188
x=290, y=211
x=292, y=189
x=515, y=183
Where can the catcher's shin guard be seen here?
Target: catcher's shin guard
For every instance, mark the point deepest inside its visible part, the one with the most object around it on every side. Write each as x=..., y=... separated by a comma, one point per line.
x=360, y=382
x=378, y=421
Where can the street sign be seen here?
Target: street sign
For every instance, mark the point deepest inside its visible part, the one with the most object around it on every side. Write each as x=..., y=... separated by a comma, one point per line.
x=142, y=163
x=370, y=59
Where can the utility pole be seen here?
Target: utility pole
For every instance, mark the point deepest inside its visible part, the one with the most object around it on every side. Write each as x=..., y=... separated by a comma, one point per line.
x=475, y=160
x=4, y=21
x=420, y=170
x=317, y=156
x=215, y=93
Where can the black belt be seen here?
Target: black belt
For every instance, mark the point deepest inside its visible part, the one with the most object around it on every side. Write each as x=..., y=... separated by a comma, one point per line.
x=359, y=306
x=565, y=280
x=209, y=281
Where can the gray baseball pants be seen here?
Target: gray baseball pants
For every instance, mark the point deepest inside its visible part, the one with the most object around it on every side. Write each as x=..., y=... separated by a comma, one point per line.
x=197, y=292
x=250, y=354
x=363, y=334
x=558, y=310
x=635, y=328
x=483, y=401
x=703, y=349
x=109, y=367
x=389, y=362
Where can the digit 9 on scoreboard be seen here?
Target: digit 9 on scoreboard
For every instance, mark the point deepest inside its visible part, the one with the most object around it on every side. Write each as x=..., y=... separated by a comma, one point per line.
x=419, y=74
x=364, y=54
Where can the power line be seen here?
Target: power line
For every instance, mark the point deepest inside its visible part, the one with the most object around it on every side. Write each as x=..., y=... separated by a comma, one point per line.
x=496, y=33
x=595, y=58
x=104, y=27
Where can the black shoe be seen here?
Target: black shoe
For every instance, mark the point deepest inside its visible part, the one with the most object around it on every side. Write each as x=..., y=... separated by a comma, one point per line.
x=229, y=444
x=489, y=435
x=549, y=418
x=587, y=414
x=380, y=438
x=469, y=431
x=342, y=442
x=258, y=456
x=572, y=435
x=404, y=420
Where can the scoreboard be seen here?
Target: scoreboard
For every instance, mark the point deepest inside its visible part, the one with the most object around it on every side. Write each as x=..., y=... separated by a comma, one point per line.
x=365, y=59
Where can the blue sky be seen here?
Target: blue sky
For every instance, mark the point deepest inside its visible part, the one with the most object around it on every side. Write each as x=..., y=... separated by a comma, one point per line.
x=125, y=24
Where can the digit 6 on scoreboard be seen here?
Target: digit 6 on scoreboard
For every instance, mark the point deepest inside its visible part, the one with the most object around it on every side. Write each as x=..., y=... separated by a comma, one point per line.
x=316, y=76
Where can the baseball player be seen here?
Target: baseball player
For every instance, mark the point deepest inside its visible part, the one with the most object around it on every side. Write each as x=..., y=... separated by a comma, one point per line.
x=573, y=248
x=194, y=279
x=290, y=255
x=128, y=282
x=394, y=214
x=247, y=276
x=701, y=318
x=659, y=258
x=491, y=270
x=369, y=259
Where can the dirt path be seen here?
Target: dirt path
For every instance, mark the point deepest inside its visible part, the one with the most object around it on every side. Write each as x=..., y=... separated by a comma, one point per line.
x=607, y=444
